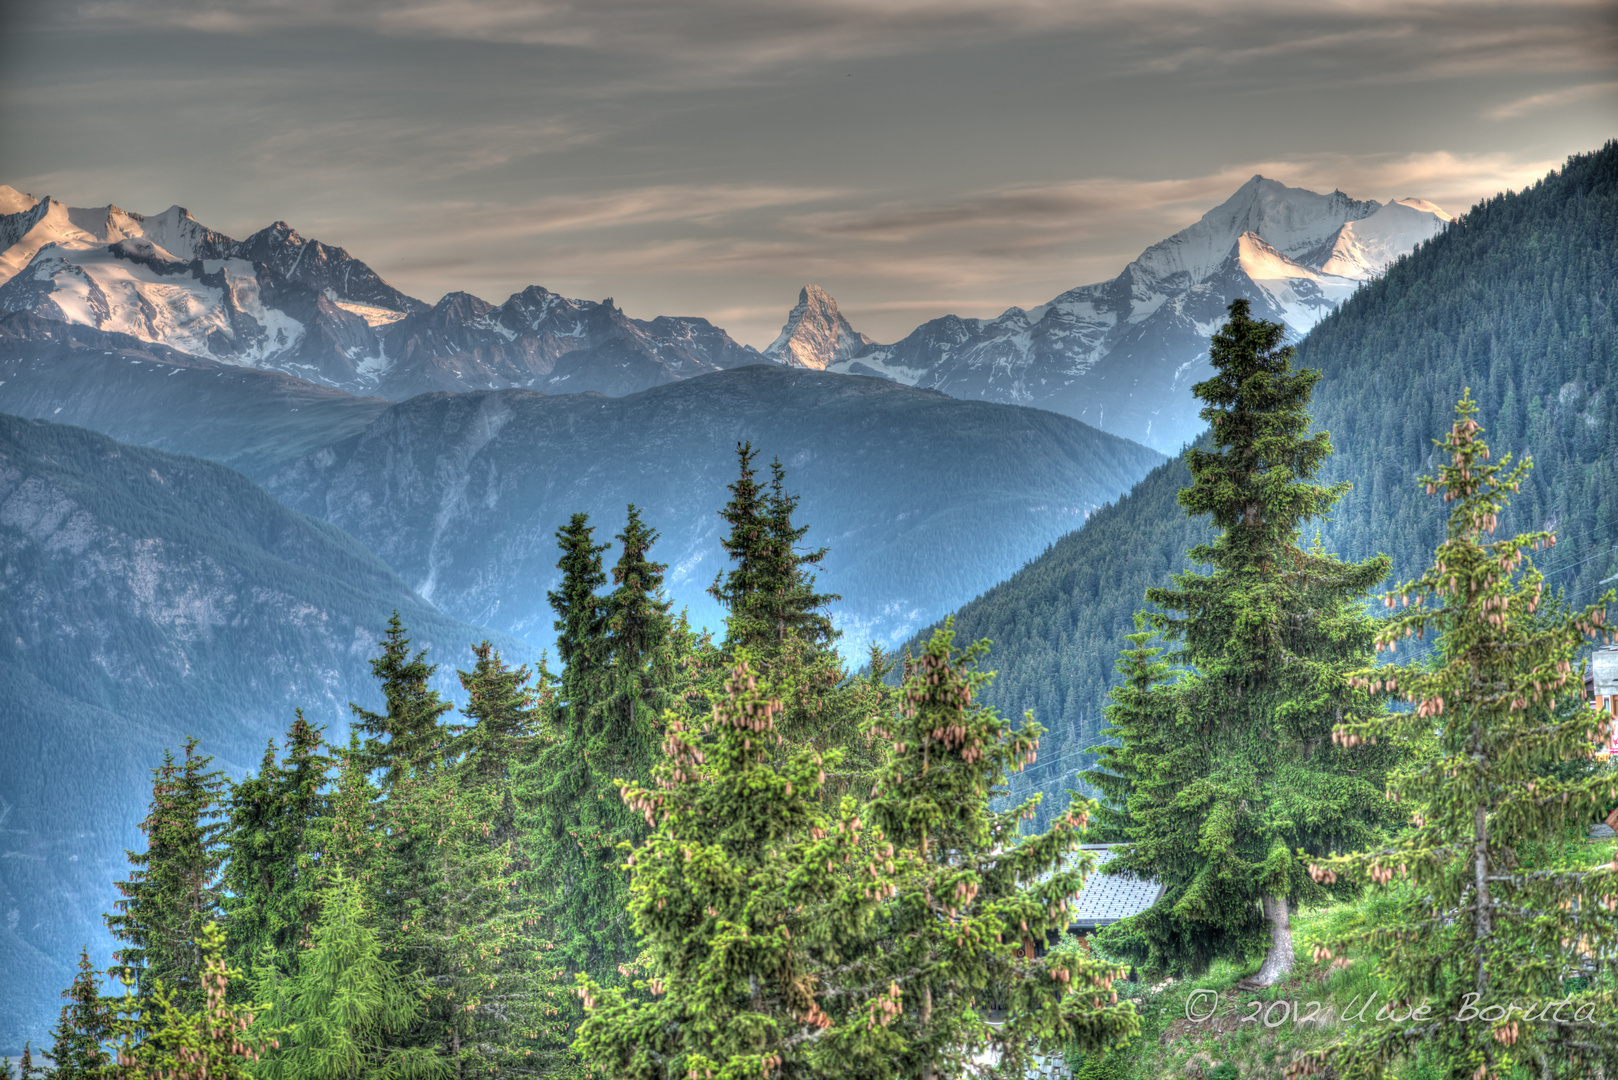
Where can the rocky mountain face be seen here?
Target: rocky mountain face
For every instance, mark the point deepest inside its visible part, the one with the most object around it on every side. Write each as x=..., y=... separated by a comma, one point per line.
x=279, y=302
x=1123, y=354
x=923, y=500
x=145, y=597
x=816, y=335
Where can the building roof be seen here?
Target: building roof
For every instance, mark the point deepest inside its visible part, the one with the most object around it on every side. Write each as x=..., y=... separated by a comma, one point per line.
x=1106, y=898
x=1601, y=675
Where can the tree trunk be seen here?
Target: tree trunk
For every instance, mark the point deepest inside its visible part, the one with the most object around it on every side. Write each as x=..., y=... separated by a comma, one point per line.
x=926, y=1020
x=1480, y=870
x=1278, y=961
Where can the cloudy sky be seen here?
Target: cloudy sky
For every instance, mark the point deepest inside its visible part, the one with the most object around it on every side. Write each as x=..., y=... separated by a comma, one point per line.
x=708, y=157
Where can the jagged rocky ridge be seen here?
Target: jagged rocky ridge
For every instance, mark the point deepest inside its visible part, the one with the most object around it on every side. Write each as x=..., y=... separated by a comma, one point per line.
x=816, y=335
x=1123, y=354
x=279, y=302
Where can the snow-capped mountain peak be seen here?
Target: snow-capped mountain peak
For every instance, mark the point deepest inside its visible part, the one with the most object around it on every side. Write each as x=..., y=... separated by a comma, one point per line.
x=1364, y=248
x=1122, y=354
x=1293, y=221
x=815, y=335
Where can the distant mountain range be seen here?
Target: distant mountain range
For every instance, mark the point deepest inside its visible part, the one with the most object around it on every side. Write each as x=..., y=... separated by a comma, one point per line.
x=1120, y=355
x=1123, y=354
x=278, y=302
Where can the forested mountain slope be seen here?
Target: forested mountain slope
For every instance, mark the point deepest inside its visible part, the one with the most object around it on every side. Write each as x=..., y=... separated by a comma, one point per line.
x=924, y=500
x=145, y=597
x=1516, y=301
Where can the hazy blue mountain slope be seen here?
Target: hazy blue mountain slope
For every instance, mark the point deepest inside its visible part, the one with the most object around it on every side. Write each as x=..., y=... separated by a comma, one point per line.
x=145, y=597
x=255, y=421
x=924, y=500
x=1516, y=301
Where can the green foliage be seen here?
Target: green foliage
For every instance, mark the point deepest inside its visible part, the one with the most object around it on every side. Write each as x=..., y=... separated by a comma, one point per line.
x=411, y=732
x=1227, y=770
x=1479, y=928
x=174, y=1039
x=86, y=1024
x=347, y=1009
x=26, y=1069
x=271, y=876
x=969, y=895
x=621, y=671
x=1514, y=300
x=743, y=891
x=770, y=591
x=172, y=892
x=778, y=617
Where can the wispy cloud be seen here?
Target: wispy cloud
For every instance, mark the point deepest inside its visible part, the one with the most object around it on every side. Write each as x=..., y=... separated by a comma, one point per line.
x=1554, y=99
x=709, y=40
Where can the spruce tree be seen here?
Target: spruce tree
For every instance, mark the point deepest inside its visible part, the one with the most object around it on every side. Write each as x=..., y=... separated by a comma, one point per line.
x=86, y=1024
x=747, y=544
x=175, y=1038
x=789, y=602
x=348, y=1009
x=971, y=893
x=26, y=1069
x=1140, y=729
x=1232, y=771
x=770, y=591
x=1482, y=938
x=271, y=875
x=172, y=891
x=774, y=612
x=411, y=731
x=744, y=889
x=556, y=783
x=497, y=985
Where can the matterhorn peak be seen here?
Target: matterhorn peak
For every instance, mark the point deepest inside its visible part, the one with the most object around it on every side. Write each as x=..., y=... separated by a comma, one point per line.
x=815, y=335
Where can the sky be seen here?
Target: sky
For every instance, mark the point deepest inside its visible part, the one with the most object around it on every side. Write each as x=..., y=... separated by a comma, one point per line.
x=915, y=158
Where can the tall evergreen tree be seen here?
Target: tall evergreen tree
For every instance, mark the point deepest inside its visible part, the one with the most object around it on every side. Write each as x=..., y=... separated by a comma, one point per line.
x=555, y=783
x=78, y=1050
x=1233, y=772
x=172, y=891
x=778, y=617
x=411, y=731
x=970, y=893
x=348, y=1010
x=496, y=984
x=744, y=887
x=747, y=544
x=1482, y=939
x=1138, y=707
x=26, y=1069
x=623, y=670
x=271, y=875
x=770, y=591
